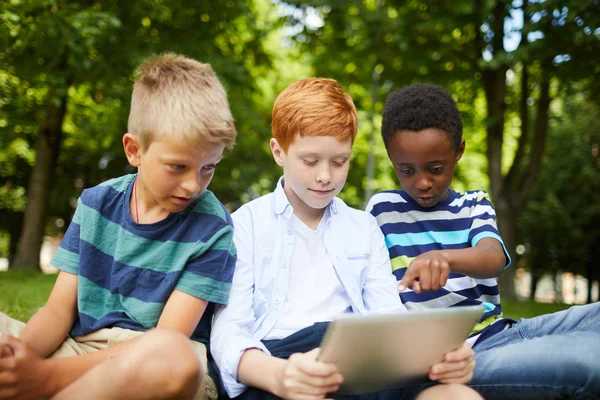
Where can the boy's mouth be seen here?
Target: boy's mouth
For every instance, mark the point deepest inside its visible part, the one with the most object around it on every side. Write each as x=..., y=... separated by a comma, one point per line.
x=426, y=200
x=322, y=192
x=183, y=200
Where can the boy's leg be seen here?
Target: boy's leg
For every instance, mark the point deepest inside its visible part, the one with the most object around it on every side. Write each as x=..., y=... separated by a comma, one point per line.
x=68, y=348
x=450, y=391
x=159, y=365
x=105, y=338
x=10, y=326
x=548, y=356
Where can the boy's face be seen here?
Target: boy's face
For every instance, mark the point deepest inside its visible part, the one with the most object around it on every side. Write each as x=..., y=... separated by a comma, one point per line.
x=315, y=169
x=424, y=162
x=172, y=173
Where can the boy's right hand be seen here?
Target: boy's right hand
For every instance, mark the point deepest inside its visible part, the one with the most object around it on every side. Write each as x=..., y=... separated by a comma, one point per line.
x=304, y=377
x=23, y=374
x=5, y=351
x=428, y=271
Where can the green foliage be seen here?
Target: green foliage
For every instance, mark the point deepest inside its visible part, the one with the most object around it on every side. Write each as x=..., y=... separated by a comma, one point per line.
x=558, y=225
x=89, y=52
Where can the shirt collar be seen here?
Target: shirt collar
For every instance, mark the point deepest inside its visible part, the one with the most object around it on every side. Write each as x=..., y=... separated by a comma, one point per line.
x=283, y=206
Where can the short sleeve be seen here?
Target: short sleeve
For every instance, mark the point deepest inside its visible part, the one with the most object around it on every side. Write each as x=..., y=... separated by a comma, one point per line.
x=483, y=223
x=209, y=275
x=66, y=257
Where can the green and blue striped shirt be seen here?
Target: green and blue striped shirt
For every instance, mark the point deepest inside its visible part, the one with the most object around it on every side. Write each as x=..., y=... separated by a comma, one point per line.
x=127, y=271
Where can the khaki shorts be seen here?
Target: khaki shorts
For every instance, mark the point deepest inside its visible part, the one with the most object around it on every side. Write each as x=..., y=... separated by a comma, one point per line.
x=105, y=338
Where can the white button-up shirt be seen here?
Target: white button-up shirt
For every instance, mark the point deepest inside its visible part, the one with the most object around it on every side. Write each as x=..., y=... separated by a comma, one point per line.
x=264, y=239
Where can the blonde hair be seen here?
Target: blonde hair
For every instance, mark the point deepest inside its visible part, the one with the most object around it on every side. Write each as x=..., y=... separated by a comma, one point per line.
x=313, y=107
x=179, y=97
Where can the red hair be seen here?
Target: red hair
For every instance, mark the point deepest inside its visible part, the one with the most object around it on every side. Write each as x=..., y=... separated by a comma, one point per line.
x=313, y=107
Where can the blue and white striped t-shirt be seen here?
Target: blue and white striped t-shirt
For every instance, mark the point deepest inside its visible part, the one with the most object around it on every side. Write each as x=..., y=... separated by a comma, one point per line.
x=127, y=271
x=458, y=222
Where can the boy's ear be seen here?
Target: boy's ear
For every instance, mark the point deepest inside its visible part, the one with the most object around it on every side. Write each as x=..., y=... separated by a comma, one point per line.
x=133, y=150
x=461, y=150
x=277, y=151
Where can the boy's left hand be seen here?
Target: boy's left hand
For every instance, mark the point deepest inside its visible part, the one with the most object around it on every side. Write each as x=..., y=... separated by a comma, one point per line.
x=428, y=271
x=458, y=366
x=22, y=372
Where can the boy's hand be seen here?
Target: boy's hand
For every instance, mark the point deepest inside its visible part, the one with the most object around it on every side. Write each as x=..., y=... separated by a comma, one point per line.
x=304, y=377
x=458, y=366
x=5, y=351
x=23, y=373
x=429, y=271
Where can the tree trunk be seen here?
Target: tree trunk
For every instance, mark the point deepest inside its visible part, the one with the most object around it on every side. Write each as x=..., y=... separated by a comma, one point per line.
x=533, y=286
x=592, y=265
x=14, y=230
x=47, y=147
x=507, y=225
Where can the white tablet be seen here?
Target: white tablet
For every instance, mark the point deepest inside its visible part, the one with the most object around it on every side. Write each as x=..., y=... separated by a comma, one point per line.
x=383, y=351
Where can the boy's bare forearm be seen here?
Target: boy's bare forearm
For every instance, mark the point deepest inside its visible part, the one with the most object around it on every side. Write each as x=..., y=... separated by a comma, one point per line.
x=481, y=262
x=47, y=329
x=260, y=370
x=31, y=376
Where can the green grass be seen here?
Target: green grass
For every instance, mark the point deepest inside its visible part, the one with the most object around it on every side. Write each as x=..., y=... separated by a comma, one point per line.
x=528, y=309
x=22, y=293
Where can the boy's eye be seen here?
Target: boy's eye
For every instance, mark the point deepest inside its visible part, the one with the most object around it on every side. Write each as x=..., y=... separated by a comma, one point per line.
x=177, y=167
x=437, y=170
x=310, y=162
x=405, y=171
x=209, y=167
x=338, y=163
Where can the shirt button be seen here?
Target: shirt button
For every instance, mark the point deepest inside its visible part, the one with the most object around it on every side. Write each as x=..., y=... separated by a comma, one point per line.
x=277, y=301
x=289, y=231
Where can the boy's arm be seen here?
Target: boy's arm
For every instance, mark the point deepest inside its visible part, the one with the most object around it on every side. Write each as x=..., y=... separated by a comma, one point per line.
x=430, y=270
x=231, y=333
x=485, y=260
x=182, y=312
x=27, y=372
x=484, y=257
x=300, y=376
x=51, y=324
x=31, y=376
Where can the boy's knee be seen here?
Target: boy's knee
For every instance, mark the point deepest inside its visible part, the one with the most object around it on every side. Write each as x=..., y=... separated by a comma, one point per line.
x=165, y=363
x=449, y=391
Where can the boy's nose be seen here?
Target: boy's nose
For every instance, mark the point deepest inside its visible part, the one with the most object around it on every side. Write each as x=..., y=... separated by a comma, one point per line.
x=324, y=175
x=424, y=183
x=191, y=184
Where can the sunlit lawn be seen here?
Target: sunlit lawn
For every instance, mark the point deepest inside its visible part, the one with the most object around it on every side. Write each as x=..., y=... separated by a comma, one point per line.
x=22, y=293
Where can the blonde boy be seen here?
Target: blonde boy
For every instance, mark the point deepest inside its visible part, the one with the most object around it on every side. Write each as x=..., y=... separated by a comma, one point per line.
x=304, y=257
x=148, y=250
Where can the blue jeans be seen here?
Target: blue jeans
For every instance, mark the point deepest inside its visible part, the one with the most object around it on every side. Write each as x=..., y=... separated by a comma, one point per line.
x=553, y=356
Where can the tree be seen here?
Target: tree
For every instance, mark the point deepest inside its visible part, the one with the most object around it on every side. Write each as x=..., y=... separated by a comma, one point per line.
x=84, y=56
x=468, y=46
x=559, y=225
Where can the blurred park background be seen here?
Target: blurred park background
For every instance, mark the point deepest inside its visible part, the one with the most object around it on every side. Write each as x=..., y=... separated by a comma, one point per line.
x=525, y=74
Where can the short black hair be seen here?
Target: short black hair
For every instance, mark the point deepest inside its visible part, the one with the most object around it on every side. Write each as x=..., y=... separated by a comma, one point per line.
x=421, y=106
